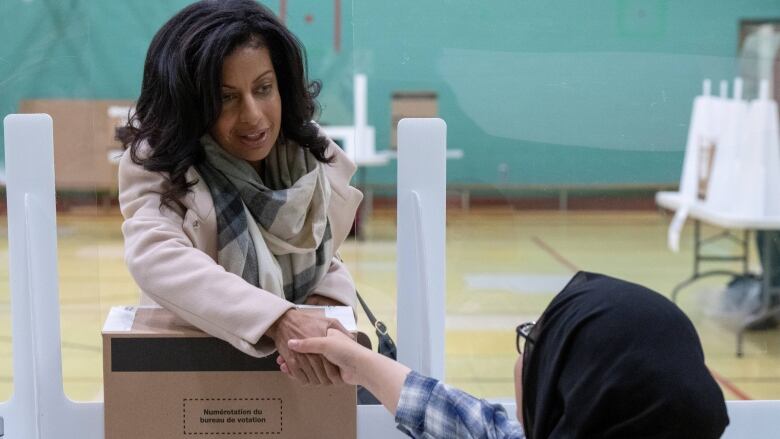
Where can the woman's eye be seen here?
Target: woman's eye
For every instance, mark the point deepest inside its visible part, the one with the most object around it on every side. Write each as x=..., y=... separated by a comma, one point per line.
x=264, y=90
x=227, y=98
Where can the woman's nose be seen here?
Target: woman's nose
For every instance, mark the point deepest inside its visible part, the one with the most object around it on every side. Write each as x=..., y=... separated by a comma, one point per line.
x=251, y=112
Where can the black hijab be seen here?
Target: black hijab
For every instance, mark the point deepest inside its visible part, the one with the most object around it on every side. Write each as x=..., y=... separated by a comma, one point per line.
x=612, y=359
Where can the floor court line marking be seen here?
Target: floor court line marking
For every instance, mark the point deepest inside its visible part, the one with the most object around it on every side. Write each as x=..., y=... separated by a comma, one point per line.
x=552, y=252
x=516, y=283
x=728, y=385
x=64, y=344
x=756, y=379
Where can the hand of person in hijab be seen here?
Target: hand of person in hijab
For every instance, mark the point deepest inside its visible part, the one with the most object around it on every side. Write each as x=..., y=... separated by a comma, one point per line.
x=382, y=376
x=337, y=348
x=307, y=368
x=316, y=299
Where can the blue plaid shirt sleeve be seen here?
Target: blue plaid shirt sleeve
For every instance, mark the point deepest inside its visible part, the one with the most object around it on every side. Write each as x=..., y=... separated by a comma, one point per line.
x=430, y=409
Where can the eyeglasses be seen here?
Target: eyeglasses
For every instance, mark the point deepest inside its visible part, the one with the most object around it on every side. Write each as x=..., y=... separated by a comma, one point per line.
x=524, y=332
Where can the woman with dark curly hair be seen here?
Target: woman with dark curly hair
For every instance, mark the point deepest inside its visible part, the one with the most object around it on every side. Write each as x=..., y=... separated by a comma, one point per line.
x=234, y=201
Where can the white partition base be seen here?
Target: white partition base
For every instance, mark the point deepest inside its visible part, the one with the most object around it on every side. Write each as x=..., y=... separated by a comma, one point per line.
x=375, y=422
x=753, y=419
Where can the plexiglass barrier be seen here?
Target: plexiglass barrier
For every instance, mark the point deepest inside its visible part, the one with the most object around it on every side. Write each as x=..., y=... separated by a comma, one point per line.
x=567, y=121
x=563, y=122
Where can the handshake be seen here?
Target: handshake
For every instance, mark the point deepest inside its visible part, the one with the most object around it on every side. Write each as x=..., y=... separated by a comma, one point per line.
x=318, y=350
x=341, y=354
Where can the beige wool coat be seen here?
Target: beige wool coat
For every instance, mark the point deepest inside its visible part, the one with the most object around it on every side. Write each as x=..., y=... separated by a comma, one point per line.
x=172, y=255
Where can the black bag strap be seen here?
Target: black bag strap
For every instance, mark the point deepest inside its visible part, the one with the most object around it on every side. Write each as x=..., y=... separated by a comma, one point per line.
x=385, y=344
x=380, y=327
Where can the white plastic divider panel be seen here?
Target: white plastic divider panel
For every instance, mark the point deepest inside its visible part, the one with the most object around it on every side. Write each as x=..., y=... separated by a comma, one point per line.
x=422, y=182
x=38, y=408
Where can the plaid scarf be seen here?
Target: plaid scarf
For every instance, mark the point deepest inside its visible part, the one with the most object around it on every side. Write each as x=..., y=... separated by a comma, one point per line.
x=286, y=248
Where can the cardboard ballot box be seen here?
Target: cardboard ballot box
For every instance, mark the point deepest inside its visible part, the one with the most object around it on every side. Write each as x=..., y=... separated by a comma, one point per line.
x=166, y=379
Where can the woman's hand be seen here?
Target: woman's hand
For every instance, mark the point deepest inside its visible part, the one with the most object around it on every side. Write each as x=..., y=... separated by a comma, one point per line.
x=307, y=368
x=316, y=299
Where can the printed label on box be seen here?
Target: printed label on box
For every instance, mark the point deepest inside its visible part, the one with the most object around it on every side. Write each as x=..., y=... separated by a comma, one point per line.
x=226, y=416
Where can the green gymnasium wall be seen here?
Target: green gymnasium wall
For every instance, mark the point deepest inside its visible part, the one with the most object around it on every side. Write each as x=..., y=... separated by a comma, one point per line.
x=562, y=92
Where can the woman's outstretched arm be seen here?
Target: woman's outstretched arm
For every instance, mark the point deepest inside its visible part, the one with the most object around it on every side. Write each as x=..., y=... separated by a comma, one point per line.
x=423, y=407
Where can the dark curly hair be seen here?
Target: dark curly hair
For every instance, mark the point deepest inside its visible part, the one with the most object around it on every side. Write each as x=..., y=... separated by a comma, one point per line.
x=180, y=94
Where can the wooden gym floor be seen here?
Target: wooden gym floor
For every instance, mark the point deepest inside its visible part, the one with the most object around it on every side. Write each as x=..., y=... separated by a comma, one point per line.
x=503, y=267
